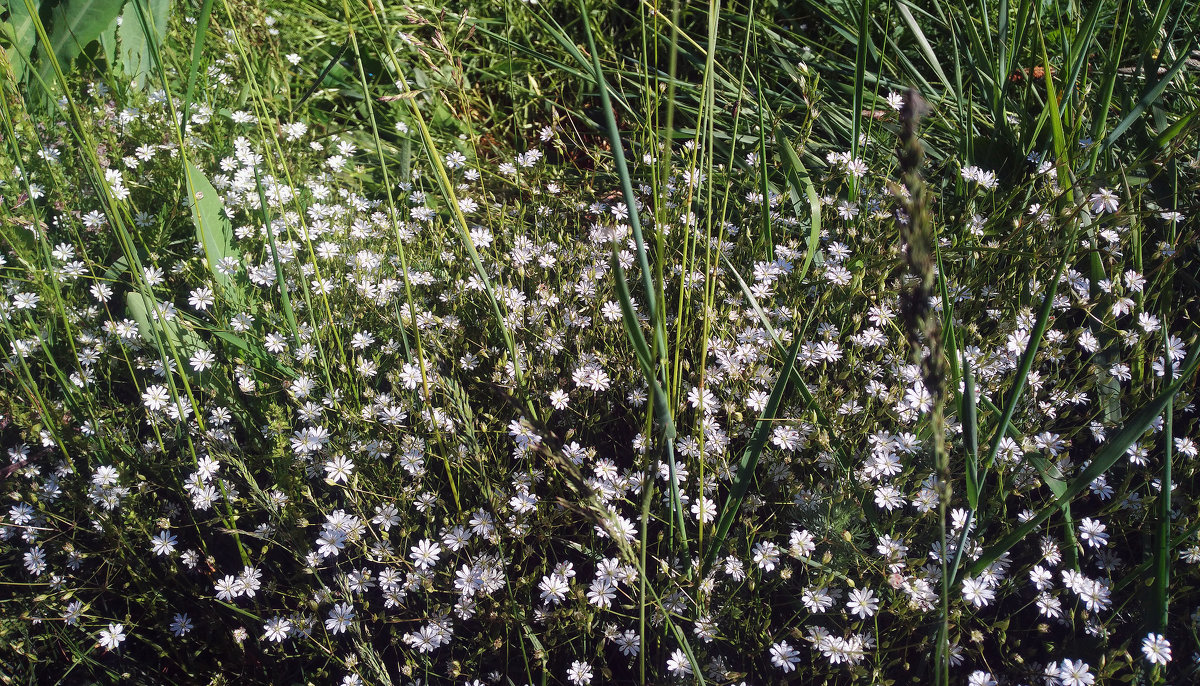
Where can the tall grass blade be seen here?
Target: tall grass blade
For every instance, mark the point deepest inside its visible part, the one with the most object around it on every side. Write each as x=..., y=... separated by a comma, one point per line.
x=143, y=25
x=843, y=456
x=333, y=61
x=970, y=425
x=1150, y=95
x=75, y=24
x=749, y=460
x=194, y=66
x=1100, y=463
x=1162, y=546
x=799, y=181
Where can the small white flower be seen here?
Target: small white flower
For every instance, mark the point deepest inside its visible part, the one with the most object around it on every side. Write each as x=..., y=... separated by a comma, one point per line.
x=678, y=664
x=156, y=397
x=559, y=398
x=580, y=673
x=1075, y=673
x=339, y=469
x=163, y=543
x=425, y=554
x=784, y=656
x=1104, y=201
x=112, y=637
x=1156, y=648
x=863, y=602
x=276, y=629
x=339, y=618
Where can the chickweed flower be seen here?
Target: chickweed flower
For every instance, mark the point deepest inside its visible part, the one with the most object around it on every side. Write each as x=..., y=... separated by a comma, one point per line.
x=1156, y=648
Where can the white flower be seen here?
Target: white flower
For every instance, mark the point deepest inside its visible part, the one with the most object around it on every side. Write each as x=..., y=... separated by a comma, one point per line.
x=1075, y=673
x=766, y=555
x=1156, y=648
x=559, y=398
x=339, y=618
x=1104, y=201
x=181, y=624
x=276, y=629
x=705, y=509
x=554, y=588
x=112, y=637
x=201, y=298
x=425, y=554
x=977, y=592
x=1092, y=532
x=863, y=602
x=580, y=673
x=784, y=656
x=156, y=397
x=601, y=593
x=339, y=468
x=163, y=543
x=202, y=360
x=678, y=664
x=980, y=678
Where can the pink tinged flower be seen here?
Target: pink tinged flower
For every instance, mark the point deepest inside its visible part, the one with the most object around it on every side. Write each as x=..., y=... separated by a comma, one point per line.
x=1104, y=201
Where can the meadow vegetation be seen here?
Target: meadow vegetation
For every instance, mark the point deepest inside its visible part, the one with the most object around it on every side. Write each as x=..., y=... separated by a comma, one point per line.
x=559, y=342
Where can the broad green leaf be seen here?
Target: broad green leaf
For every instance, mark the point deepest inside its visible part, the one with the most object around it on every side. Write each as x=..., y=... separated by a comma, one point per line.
x=140, y=307
x=135, y=54
x=76, y=23
x=22, y=35
x=108, y=42
x=213, y=230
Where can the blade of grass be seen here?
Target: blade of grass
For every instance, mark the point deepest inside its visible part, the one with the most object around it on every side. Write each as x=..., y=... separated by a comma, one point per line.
x=285, y=299
x=658, y=367
x=970, y=425
x=809, y=401
x=1112, y=451
x=749, y=460
x=860, y=70
x=1150, y=96
x=798, y=178
x=321, y=77
x=194, y=66
x=1162, y=546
